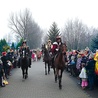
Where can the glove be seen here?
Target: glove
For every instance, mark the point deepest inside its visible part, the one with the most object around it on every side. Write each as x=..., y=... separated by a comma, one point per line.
x=56, y=49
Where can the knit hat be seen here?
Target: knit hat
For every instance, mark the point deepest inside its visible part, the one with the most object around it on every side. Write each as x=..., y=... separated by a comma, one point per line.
x=3, y=53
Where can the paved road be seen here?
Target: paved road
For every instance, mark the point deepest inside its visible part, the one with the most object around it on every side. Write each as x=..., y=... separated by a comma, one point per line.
x=38, y=85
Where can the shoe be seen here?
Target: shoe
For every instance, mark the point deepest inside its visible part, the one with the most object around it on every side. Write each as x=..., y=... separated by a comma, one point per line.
x=7, y=77
x=91, y=89
x=3, y=85
x=78, y=83
x=9, y=74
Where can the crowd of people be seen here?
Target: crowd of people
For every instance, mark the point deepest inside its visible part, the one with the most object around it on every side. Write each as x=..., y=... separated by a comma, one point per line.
x=8, y=61
x=36, y=55
x=12, y=58
x=82, y=64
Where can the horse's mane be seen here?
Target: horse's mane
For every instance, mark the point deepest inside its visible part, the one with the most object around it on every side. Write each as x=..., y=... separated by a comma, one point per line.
x=46, y=54
x=60, y=57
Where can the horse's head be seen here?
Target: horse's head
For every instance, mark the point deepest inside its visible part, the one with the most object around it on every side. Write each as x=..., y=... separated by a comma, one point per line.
x=63, y=48
x=45, y=51
x=60, y=59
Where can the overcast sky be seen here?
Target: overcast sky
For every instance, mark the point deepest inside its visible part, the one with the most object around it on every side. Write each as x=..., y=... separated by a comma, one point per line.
x=45, y=12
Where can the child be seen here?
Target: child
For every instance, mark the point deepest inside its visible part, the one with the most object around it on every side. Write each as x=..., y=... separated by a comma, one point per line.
x=83, y=76
x=72, y=65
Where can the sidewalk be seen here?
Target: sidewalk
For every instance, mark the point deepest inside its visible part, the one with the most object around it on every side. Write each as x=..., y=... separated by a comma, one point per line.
x=39, y=85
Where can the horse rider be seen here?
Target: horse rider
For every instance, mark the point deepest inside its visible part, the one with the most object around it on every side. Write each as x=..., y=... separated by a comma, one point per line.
x=49, y=45
x=56, y=48
x=25, y=47
x=56, y=45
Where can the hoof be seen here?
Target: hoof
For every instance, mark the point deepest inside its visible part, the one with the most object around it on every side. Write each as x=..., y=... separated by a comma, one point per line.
x=55, y=80
x=25, y=76
x=60, y=87
x=48, y=72
x=45, y=73
x=23, y=80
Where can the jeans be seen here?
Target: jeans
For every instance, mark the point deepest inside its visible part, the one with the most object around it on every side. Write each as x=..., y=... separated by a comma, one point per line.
x=91, y=81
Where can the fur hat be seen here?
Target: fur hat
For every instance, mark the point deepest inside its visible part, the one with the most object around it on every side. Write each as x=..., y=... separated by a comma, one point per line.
x=58, y=37
x=91, y=55
x=24, y=41
x=96, y=50
x=79, y=56
x=55, y=43
x=49, y=40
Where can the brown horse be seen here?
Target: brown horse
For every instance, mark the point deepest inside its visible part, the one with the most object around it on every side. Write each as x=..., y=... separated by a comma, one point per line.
x=24, y=62
x=47, y=59
x=59, y=64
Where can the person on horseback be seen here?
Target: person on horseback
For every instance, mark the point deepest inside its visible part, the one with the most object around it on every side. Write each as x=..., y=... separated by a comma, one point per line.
x=56, y=48
x=25, y=47
x=56, y=45
x=49, y=45
x=59, y=40
x=58, y=61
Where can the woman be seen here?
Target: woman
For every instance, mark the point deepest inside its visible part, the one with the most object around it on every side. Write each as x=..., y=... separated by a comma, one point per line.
x=91, y=71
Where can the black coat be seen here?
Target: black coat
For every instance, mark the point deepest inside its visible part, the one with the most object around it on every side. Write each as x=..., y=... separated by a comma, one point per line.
x=4, y=60
x=90, y=67
x=1, y=70
x=9, y=56
x=84, y=59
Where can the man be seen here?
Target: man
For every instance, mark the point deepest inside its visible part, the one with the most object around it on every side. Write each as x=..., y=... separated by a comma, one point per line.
x=26, y=48
x=5, y=64
x=56, y=45
x=49, y=45
x=56, y=48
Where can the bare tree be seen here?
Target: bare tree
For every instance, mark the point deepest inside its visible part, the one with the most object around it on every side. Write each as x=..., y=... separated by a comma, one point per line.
x=8, y=37
x=25, y=27
x=76, y=34
x=19, y=23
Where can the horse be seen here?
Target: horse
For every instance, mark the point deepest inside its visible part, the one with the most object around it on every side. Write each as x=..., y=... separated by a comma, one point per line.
x=59, y=64
x=24, y=62
x=47, y=59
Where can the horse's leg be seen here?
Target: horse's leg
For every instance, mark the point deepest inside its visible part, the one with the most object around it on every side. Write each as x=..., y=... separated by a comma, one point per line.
x=25, y=75
x=54, y=70
x=45, y=68
x=48, y=68
x=27, y=72
x=53, y=65
x=56, y=74
x=60, y=78
x=23, y=72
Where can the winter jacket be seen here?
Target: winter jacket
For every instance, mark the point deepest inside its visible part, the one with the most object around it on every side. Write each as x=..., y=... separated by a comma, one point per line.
x=90, y=67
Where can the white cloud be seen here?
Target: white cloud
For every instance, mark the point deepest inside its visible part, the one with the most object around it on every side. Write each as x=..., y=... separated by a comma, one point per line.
x=45, y=12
